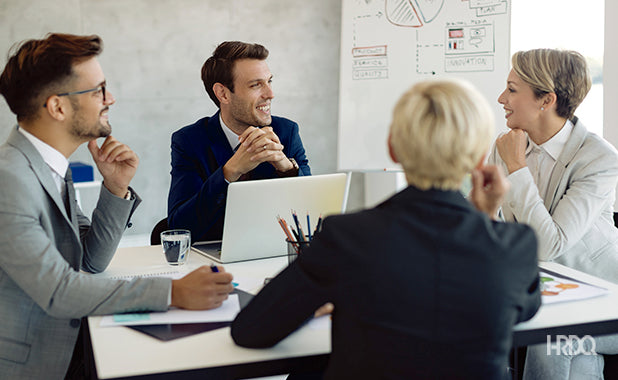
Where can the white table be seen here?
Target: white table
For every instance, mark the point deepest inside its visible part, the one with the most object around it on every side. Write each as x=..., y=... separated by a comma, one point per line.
x=123, y=352
x=595, y=316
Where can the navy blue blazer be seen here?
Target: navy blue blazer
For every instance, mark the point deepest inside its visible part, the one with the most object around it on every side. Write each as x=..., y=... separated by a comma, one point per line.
x=198, y=190
x=424, y=286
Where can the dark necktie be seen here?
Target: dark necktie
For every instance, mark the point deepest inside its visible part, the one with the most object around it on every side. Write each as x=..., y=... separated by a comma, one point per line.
x=69, y=195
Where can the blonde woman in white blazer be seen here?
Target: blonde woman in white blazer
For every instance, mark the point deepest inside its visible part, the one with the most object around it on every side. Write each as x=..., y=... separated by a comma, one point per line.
x=563, y=180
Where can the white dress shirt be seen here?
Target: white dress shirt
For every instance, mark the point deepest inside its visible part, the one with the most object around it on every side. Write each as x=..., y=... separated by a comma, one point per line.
x=542, y=158
x=57, y=162
x=231, y=136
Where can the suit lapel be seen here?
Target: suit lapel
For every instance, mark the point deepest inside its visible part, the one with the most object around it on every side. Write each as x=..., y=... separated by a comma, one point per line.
x=42, y=172
x=575, y=141
x=220, y=146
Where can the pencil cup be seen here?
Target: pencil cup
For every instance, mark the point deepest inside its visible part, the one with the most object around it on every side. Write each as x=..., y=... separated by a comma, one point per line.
x=295, y=248
x=176, y=245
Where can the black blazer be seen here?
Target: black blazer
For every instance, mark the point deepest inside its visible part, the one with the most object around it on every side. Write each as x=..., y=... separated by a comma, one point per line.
x=424, y=286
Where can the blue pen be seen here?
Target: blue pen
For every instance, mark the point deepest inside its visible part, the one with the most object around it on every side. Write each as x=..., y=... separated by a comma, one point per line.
x=308, y=226
x=214, y=269
x=301, y=236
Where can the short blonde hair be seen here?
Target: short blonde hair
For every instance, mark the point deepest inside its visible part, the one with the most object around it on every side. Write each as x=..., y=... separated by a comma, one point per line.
x=440, y=131
x=563, y=72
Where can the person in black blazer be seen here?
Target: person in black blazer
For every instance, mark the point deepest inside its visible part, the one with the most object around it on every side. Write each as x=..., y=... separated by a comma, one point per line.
x=425, y=285
x=242, y=141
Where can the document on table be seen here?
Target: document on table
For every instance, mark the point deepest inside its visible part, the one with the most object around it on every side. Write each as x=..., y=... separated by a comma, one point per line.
x=321, y=323
x=556, y=288
x=225, y=313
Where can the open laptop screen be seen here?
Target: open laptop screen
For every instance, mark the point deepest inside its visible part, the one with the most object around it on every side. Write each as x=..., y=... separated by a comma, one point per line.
x=251, y=230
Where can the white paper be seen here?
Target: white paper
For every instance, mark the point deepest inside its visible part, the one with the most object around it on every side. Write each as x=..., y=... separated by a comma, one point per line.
x=225, y=313
x=321, y=323
x=555, y=288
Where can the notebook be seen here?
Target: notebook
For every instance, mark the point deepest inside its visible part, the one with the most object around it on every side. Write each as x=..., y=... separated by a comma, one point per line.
x=174, y=331
x=251, y=230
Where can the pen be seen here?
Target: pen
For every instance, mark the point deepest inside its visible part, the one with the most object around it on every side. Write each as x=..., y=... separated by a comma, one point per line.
x=295, y=217
x=214, y=268
x=308, y=226
x=299, y=227
x=301, y=234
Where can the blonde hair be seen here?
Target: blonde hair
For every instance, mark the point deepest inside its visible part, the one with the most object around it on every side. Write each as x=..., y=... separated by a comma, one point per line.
x=562, y=72
x=440, y=131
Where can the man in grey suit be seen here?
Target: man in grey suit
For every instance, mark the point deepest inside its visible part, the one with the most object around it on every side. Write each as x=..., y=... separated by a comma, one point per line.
x=57, y=89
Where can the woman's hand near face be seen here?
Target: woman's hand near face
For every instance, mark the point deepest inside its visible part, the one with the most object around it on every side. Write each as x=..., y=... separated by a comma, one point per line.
x=512, y=149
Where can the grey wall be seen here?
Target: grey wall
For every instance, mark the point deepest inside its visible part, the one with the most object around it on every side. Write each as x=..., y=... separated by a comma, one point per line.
x=153, y=53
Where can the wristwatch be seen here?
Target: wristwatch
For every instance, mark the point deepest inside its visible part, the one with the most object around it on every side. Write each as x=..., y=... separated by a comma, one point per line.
x=290, y=172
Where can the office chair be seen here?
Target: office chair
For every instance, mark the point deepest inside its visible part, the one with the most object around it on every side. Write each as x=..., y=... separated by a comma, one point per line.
x=155, y=235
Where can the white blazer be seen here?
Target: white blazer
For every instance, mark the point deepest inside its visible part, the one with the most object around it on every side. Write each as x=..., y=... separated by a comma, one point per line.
x=574, y=219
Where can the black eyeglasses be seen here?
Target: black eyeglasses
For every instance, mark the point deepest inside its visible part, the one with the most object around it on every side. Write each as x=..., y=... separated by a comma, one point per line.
x=96, y=89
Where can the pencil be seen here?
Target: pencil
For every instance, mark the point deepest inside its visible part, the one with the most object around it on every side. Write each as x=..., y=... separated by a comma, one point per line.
x=301, y=235
x=287, y=229
x=283, y=225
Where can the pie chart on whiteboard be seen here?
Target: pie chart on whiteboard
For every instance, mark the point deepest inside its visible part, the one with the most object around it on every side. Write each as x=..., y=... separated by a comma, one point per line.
x=412, y=13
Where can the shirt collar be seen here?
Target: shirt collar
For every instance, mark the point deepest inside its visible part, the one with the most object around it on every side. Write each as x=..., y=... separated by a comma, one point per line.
x=54, y=159
x=232, y=137
x=555, y=145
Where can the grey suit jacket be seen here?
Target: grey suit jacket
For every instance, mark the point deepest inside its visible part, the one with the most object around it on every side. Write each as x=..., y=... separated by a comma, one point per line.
x=42, y=248
x=574, y=219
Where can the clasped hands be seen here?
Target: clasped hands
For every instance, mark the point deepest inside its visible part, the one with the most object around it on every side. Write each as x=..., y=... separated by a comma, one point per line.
x=257, y=145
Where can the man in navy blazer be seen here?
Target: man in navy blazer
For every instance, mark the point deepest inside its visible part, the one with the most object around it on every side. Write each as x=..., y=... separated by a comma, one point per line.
x=242, y=141
x=426, y=285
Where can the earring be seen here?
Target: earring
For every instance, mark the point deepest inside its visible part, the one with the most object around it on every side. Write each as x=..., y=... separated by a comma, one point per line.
x=542, y=108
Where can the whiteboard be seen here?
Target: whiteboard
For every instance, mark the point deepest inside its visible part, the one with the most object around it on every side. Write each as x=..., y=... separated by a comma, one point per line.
x=388, y=45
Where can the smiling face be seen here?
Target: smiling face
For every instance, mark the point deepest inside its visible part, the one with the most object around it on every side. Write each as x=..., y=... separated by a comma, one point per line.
x=249, y=104
x=522, y=108
x=90, y=111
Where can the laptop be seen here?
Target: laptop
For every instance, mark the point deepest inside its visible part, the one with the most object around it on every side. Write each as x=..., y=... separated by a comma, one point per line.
x=251, y=230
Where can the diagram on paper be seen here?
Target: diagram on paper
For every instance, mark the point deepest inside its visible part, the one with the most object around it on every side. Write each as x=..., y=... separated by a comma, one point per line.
x=412, y=13
x=558, y=289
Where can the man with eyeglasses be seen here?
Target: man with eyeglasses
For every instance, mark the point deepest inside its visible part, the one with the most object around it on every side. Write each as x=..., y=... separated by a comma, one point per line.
x=57, y=89
x=242, y=141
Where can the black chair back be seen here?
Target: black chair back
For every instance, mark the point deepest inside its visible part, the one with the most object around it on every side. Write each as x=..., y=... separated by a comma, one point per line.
x=155, y=235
